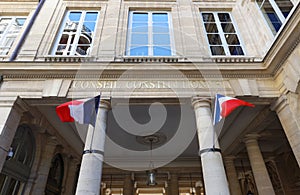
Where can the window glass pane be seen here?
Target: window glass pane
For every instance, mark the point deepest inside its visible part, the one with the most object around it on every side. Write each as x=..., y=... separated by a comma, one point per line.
x=140, y=17
x=161, y=51
x=160, y=27
x=160, y=17
x=208, y=17
x=232, y=39
x=88, y=26
x=4, y=22
x=236, y=50
x=20, y=21
x=74, y=16
x=139, y=51
x=71, y=26
x=217, y=50
x=224, y=17
x=274, y=20
x=214, y=39
x=64, y=39
x=139, y=27
x=9, y=41
x=91, y=16
x=228, y=27
x=285, y=6
x=161, y=39
x=139, y=39
x=211, y=27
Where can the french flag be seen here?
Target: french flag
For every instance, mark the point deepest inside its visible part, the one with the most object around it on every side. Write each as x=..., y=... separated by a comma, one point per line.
x=224, y=105
x=83, y=111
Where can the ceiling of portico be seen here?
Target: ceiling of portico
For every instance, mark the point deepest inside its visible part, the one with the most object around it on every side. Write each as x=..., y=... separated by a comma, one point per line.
x=179, y=121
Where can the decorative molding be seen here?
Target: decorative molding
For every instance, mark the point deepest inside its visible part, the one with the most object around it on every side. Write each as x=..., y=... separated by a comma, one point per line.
x=115, y=76
x=70, y=59
x=231, y=59
x=148, y=59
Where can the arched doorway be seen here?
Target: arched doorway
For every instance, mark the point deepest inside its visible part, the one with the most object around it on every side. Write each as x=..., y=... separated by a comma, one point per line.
x=16, y=170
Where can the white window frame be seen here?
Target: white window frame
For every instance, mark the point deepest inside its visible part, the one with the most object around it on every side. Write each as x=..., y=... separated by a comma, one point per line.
x=277, y=12
x=222, y=34
x=7, y=32
x=150, y=33
x=77, y=35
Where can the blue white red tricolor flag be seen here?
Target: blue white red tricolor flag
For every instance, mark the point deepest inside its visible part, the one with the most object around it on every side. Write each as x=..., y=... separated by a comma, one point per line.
x=83, y=111
x=224, y=105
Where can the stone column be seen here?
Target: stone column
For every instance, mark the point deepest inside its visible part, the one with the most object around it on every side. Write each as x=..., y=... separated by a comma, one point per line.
x=232, y=176
x=71, y=176
x=9, y=121
x=173, y=188
x=40, y=181
x=287, y=109
x=261, y=176
x=215, y=181
x=92, y=160
x=128, y=185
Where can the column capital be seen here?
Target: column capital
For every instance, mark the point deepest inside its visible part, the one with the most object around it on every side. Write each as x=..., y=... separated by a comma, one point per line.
x=249, y=138
x=201, y=102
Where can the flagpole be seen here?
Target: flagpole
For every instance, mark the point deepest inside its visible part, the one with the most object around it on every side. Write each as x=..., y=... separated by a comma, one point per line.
x=214, y=125
x=89, y=181
x=97, y=106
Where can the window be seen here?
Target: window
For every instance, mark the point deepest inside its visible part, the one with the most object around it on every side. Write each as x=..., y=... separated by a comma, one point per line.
x=221, y=34
x=275, y=12
x=9, y=30
x=77, y=34
x=149, y=34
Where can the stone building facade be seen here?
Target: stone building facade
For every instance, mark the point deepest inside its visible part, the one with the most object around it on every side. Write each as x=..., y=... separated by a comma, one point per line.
x=157, y=65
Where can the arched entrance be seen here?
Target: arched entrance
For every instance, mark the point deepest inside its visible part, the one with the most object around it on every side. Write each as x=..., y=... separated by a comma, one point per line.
x=16, y=170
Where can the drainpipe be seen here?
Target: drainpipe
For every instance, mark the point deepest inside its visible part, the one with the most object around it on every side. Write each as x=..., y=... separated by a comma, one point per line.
x=26, y=31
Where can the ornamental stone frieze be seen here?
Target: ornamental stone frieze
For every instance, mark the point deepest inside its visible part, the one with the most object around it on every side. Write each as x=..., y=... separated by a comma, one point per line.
x=168, y=87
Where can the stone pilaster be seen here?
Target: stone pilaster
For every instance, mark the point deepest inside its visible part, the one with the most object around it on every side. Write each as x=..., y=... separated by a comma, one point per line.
x=287, y=109
x=91, y=165
x=215, y=181
x=261, y=176
x=40, y=181
x=128, y=185
x=232, y=176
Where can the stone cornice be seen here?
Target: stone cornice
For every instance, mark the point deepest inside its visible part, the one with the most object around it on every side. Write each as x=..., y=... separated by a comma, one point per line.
x=43, y=70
